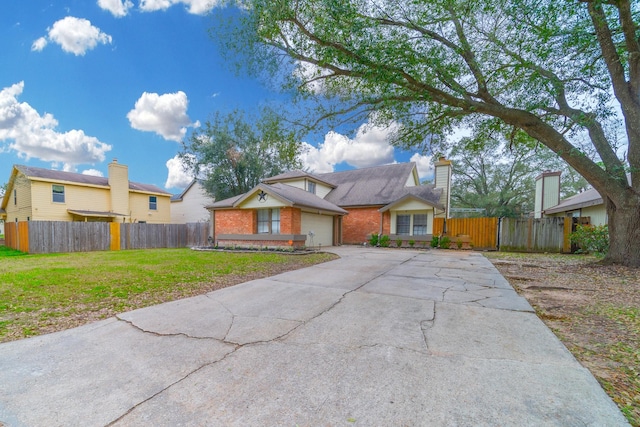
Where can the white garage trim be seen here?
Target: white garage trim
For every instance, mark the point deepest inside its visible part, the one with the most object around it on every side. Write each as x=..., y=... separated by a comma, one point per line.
x=322, y=227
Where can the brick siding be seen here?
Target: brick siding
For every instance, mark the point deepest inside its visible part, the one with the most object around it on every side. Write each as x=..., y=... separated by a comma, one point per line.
x=361, y=223
x=235, y=221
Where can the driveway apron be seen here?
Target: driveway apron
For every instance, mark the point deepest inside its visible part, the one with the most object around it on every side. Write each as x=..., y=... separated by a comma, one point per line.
x=379, y=337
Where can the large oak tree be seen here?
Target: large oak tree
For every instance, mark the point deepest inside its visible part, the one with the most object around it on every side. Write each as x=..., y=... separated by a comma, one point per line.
x=557, y=70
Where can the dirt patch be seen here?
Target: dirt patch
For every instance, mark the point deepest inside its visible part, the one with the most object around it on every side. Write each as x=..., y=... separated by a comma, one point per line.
x=593, y=309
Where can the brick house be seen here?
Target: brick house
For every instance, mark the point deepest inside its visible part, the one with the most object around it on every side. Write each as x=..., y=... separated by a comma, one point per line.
x=299, y=209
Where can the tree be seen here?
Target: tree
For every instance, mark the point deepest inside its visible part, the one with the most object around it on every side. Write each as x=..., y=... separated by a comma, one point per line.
x=553, y=69
x=232, y=155
x=497, y=172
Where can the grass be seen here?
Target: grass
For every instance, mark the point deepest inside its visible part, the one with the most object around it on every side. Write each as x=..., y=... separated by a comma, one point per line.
x=45, y=293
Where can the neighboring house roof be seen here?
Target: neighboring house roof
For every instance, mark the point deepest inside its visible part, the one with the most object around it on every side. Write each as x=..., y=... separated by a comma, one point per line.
x=581, y=200
x=378, y=185
x=78, y=178
x=179, y=197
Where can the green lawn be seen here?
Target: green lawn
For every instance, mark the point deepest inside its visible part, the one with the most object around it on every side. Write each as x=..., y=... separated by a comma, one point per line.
x=45, y=293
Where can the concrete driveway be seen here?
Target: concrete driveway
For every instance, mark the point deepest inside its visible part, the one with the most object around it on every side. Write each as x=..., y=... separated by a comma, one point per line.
x=376, y=338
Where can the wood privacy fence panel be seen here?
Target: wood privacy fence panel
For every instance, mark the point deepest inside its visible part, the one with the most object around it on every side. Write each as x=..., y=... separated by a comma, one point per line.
x=532, y=235
x=483, y=231
x=61, y=236
x=148, y=236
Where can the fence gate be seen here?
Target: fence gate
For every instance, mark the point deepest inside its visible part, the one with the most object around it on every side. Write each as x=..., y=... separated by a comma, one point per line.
x=483, y=231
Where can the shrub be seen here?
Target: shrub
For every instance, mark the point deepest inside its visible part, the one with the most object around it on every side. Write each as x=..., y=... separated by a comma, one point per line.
x=445, y=242
x=412, y=242
x=591, y=239
x=435, y=242
x=398, y=242
x=373, y=239
x=459, y=243
x=385, y=241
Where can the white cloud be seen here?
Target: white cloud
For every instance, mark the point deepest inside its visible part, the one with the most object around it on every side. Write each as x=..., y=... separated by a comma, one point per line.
x=177, y=177
x=33, y=135
x=424, y=165
x=370, y=147
x=92, y=172
x=74, y=35
x=118, y=8
x=39, y=44
x=196, y=7
x=165, y=115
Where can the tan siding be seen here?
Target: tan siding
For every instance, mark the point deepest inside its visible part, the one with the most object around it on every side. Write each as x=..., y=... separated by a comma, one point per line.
x=322, y=190
x=598, y=214
x=139, y=203
x=75, y=197
x=23, y=209
x=192, y=206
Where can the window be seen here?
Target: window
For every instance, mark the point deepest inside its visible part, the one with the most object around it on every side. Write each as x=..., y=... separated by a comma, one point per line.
x=153, y=203
x=420, y=224
x=269, y=221
x=58, y=193
x=311, y=187
x=15, y=197
x=403, y=223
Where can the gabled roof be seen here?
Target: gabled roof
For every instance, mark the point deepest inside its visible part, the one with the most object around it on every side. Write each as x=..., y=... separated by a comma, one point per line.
x=422, y=193
x=288, y=195
x=78, y=178
x=378, y=185
x=295, y=175
x=179, y=197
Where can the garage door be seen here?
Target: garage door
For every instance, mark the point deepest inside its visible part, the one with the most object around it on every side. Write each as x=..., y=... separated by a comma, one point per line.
x=322, y=227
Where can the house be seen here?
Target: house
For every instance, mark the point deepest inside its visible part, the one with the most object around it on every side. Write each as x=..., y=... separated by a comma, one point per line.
x=298, y=208
x=191, y=204
x=589, y=203
x=38, y=194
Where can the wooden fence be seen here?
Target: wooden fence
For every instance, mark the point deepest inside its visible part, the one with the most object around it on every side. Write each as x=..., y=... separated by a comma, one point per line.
x=60, y=236
x=483, y=231
x=535, y=235
x=511, y=234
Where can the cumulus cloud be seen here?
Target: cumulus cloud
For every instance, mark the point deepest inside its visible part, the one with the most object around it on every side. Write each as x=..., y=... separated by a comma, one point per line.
x=196, y=7
x=118, y=8
x=166, y=115
x=33, y=135
x=92, y=172
x=74, y=35
x=370, y=147
x=424, y=165
x=177, y=177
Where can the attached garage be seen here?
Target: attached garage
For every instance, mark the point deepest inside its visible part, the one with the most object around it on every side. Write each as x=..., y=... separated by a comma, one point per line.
x=322, y=227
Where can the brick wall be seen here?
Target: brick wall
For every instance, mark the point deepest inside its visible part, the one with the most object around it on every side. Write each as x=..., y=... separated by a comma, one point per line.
x=361, y=222
x=235, y=221
x=290, y=220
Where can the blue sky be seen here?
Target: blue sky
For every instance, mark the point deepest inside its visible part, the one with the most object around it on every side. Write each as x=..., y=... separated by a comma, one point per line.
x=86, y=81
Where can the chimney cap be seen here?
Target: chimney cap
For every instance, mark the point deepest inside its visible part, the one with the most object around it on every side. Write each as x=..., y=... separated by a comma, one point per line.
x=115, y=160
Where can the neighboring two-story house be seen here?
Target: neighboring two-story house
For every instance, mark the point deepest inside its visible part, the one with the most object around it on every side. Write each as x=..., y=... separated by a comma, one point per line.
x=38, y=194
x=191, y=204
x=302, y=209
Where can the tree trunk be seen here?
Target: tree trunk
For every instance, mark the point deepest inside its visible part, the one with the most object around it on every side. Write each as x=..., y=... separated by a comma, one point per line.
x=624, y=233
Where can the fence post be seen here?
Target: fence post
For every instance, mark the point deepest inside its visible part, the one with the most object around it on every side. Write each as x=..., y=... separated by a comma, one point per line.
x=114, y=234
x=568, y=227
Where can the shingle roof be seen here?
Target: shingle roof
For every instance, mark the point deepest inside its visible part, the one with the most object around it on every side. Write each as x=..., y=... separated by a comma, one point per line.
x=378, y=185
x=581, y=200
x=78, y=178
x=294, y=174
x=303, y=198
